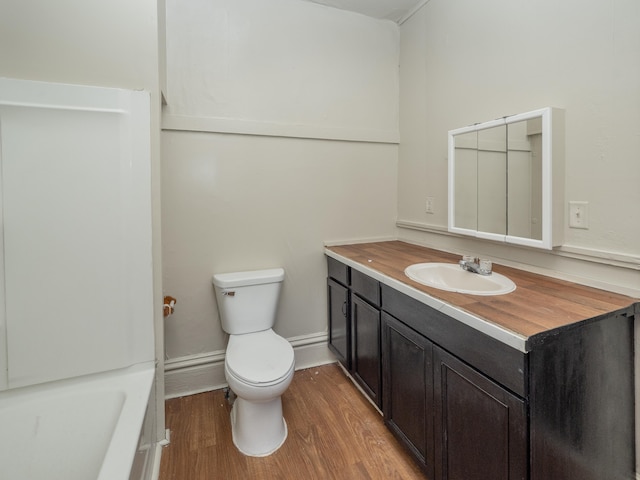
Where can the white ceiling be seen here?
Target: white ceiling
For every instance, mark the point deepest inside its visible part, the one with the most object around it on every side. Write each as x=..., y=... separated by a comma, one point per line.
x=395, y=10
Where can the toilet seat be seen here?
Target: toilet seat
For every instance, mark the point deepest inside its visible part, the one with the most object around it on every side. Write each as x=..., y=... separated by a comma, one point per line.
x=260, y=358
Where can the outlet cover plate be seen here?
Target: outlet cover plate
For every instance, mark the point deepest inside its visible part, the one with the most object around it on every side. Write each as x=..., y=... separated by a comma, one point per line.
x=429, y=205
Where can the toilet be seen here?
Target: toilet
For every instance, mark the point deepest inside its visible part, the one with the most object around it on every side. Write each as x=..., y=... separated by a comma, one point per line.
x=259, y=364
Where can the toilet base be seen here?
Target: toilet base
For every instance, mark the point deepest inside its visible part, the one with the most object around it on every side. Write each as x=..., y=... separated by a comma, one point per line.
x=258, y=428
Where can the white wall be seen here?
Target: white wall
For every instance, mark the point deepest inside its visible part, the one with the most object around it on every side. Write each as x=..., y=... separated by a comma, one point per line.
x=233, y=203
x=465, y=62
x=279, y=134
x=111, y=44
x=282, y=62
x=89, y=43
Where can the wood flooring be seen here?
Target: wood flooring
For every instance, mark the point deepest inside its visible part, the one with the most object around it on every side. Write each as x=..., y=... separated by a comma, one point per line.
x=334, y=433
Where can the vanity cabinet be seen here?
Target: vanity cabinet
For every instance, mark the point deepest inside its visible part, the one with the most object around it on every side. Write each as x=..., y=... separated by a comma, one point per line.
x=354, y=326
x=470, y=406
x=500, y=414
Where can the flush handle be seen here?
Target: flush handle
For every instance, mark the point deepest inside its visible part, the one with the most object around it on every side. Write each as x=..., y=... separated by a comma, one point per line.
x=229, y=293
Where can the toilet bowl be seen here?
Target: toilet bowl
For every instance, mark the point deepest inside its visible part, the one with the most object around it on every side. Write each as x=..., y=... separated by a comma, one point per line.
x=259, y=368
x=259, y=364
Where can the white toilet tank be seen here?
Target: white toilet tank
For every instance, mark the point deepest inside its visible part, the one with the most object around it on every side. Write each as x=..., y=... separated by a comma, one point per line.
x=247, y=301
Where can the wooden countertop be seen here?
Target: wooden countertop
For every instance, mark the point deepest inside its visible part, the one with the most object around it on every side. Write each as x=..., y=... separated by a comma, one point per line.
x=538, y=305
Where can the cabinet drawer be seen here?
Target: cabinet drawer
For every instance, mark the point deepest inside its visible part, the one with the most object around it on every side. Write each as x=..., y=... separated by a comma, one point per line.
x=504, y=364
x=338, y=271
x=366, y=287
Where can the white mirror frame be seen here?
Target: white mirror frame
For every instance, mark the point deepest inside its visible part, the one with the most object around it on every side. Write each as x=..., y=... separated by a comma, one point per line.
x=552, y=178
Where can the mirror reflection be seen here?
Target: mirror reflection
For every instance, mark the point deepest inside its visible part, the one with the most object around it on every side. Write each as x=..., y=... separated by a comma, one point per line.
x=524, y=178
x=503, y=185
x=492, y=175
x=466, y=180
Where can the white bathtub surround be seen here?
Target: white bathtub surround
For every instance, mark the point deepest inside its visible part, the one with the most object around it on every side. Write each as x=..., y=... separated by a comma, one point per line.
x=76, y=318
x=76, y=208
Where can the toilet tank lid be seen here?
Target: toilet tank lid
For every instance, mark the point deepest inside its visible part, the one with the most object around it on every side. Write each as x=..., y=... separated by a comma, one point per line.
x=253, y=277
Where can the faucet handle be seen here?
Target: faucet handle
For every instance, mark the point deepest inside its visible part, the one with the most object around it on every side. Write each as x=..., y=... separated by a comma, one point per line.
x=485, y=266
x=468, y=263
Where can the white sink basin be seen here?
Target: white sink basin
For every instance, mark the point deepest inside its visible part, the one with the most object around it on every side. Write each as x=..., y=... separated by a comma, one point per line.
x=450, y=277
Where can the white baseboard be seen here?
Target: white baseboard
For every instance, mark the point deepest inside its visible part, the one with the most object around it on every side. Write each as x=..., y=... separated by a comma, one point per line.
x=202, y=373
x=194, y=374
x=312, y=350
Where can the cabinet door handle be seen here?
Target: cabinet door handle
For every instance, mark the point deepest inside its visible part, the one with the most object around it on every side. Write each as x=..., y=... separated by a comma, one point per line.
x=344, y=309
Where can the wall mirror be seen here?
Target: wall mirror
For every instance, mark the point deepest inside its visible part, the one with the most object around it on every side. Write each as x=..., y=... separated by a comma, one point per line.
x=506, y=179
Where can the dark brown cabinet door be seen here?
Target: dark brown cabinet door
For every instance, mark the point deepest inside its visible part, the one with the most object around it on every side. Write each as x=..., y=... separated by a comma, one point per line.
x=407, y=381
x=339, y=326
x=482, y=427
x=365, y=334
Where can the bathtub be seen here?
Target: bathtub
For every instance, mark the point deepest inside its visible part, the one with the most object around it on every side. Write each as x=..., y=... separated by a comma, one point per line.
x=83, y=428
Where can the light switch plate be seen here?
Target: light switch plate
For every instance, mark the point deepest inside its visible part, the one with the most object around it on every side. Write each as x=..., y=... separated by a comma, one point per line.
x=579, y=214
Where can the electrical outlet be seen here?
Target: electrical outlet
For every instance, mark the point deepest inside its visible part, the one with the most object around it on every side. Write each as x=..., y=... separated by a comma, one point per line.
x=579, y=215
x=429, y=205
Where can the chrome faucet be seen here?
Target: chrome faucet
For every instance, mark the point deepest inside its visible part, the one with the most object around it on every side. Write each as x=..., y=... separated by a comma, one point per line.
x=475, y=265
